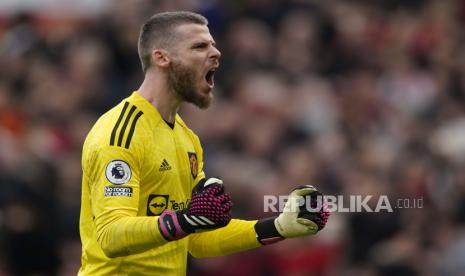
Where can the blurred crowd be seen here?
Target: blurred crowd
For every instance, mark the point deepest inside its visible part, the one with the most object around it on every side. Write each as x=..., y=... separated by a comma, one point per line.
x=355, y=97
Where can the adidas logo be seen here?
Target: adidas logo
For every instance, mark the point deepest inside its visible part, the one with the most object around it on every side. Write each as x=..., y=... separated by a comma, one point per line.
x=164, y=166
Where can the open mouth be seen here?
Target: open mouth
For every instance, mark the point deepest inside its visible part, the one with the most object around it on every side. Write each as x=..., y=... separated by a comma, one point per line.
x=210, y=77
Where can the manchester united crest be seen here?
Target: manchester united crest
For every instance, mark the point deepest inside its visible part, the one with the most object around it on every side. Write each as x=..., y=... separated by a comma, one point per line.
x=194, y=164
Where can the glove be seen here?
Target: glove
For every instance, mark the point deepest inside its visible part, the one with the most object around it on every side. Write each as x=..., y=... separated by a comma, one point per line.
x=208, y=209
x=295, y=220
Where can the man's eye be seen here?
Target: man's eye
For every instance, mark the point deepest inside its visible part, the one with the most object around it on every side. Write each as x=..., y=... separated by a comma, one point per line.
x=200, y=46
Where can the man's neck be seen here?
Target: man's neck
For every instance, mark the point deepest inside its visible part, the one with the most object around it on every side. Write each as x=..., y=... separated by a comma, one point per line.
x=156, y=91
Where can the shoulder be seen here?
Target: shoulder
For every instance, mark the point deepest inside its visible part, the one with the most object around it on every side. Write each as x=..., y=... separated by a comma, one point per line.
x=194, y=138
x=123, y=126
x=182, y=124
x=124, y=121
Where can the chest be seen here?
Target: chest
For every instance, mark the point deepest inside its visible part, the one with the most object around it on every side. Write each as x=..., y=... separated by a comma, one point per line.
x=169, y=172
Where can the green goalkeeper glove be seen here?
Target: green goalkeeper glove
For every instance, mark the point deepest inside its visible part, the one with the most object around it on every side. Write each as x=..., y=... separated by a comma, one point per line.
x=295, y=220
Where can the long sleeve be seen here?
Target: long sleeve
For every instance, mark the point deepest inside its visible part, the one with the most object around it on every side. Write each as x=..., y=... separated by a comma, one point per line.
x=112, y=177
x=237, y=236
x=120, y=235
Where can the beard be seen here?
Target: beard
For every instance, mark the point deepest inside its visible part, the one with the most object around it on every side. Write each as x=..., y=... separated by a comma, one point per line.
x=181, y=79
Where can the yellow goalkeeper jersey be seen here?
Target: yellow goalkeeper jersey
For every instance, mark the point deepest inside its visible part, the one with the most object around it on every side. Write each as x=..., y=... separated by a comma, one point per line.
x=134, y=167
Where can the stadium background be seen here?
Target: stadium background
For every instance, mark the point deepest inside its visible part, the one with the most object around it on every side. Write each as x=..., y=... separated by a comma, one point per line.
x=355, y=97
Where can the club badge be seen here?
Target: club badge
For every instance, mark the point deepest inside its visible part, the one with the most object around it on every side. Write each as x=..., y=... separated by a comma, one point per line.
x=194, y=164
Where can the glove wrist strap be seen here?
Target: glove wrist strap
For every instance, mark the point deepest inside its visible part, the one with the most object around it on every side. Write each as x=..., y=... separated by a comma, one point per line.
x=266, y=231
x=170, y=227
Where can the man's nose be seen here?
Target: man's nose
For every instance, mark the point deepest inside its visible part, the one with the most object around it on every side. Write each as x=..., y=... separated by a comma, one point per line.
x=215, y=53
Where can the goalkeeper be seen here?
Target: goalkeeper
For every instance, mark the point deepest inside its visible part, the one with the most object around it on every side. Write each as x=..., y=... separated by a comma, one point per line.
x=146, y=201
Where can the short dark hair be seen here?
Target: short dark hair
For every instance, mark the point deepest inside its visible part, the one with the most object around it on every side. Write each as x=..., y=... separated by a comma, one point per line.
x=158, y=32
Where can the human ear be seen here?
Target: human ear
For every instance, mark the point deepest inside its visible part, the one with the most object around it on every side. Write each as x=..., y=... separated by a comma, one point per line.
x=160, y=58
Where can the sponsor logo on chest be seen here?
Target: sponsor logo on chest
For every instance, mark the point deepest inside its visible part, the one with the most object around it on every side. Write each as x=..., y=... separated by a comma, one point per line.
x=157, y=203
